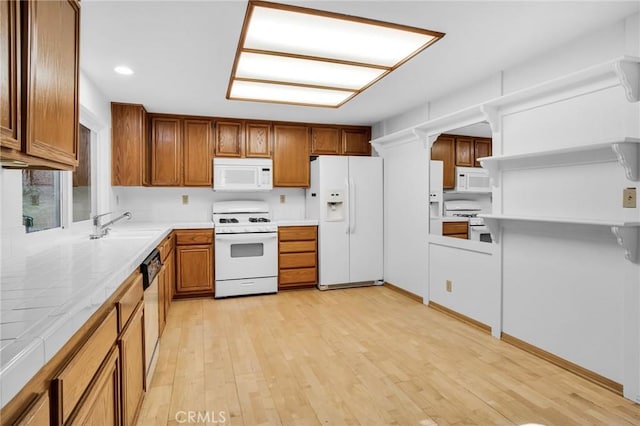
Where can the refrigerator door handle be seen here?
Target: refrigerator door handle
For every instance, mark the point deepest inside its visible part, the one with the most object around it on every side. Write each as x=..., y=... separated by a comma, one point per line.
x=352, y=206
x=347, y=187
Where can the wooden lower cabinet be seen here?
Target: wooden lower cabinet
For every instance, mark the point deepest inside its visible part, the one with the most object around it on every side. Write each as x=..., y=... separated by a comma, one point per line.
x=97, y=377
x=101, y=404
x=297, y=257
x=131, y=345
x=39, y=413
x=456, y=230
x=194, y=262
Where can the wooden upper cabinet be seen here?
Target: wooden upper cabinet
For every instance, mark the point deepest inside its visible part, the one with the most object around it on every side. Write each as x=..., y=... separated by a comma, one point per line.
x=464, y=151
x=356, y=141
x=129, y=164
x=166, y=151
x=257, y=140
x=325, y=141
x=51, y=70
x=229, y=139
x=291, y=156
x=9, y=89
x=198, y=152
x=481, y=148
x=443, y=149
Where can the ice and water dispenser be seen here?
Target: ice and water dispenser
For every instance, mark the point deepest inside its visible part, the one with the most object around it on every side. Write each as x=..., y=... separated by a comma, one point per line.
x=335, y=206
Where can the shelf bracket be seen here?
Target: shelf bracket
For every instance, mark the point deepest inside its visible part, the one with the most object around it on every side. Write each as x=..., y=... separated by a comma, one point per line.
x=491, y=115
x=629, y=75
x=627, y=239
x=422, y=137
x=629, y=158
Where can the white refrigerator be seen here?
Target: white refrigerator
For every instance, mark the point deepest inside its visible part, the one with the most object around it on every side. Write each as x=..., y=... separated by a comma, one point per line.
x=435, y=197
x=345, y=196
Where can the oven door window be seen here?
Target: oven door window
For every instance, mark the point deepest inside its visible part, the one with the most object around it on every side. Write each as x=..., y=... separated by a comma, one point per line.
x=247, y=250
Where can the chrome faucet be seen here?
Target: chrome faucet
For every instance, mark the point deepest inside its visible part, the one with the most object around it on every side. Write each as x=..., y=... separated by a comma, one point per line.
x=100, y=230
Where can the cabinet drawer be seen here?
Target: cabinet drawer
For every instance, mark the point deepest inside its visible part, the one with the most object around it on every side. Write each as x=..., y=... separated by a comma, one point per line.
x=129, y=300
x=296, y=233
x=461, y=236
x=74, y=379
x=165, y=246
x=297, y=246
x=298, y=260
x=189, y=237
x=297, y=276
x=454, y=228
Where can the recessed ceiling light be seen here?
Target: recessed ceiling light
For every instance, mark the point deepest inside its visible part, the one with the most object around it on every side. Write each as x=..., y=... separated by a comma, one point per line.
x=124, y=70
x=296, y=55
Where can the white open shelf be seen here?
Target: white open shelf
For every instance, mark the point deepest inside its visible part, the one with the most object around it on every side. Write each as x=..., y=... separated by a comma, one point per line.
x=624, y=150
x=627, y=233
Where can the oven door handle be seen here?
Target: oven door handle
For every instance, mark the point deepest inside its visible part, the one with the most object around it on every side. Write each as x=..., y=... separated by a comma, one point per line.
x=253, y=236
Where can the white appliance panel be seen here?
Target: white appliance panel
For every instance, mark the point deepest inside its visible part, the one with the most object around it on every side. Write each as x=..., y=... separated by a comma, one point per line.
x=333, y=237
x=150, y=325
x=238, y=254
x=365, y=224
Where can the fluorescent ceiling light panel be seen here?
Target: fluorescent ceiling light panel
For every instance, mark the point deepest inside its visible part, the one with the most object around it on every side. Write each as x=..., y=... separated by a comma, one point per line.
x=304, y=71
x=298, y=46
x=283, y=93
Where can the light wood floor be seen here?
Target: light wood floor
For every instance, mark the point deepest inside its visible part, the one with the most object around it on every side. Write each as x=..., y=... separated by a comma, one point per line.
x=367, y=356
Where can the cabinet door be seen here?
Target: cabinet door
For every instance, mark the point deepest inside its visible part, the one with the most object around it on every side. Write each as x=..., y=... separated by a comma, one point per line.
x=52, y=40
x=197, y=153
x=325, y=141
x=9, y=89
x=161, y=296
x=38, y=414
x=166, y=152
x=258, y=140
x=101, y=404
x=195, y=269
x=228, y=141
x=356, y=142
x=128, y=145
x=464, y=152
x=481, y=148
x=169, y=280
x=132, y=361
x=291, y=156
x=443, y=149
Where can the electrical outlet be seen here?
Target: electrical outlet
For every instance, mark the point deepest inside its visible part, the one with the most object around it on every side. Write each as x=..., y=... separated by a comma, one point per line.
x=283, y=199
x=185, y=199
x=629, y=198
x=449, y=285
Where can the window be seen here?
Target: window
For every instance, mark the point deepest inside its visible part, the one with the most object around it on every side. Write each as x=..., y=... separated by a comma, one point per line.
x=40, y=199
x=82, y=178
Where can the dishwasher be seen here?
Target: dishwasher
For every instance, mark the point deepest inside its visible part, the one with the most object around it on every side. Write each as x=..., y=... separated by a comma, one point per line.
x=150, y=269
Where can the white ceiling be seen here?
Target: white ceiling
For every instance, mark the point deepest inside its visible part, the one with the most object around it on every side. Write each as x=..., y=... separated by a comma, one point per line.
x=182, y=52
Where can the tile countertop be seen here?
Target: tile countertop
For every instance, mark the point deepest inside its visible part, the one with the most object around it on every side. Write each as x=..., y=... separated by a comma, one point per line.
x=46, y=296
x=454, y=219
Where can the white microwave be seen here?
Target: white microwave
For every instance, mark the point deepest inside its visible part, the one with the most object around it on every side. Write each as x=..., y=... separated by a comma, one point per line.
x=472, y=179
x=242, y=174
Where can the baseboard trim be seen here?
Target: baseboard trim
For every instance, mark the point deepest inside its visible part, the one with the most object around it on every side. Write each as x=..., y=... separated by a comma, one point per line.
x=403, y=292
x=563, y=363
x=481, y=326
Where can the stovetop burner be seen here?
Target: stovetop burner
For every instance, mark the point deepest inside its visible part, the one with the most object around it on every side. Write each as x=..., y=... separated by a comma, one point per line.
x=464, y=214
x=228, y=220
x=259, y=219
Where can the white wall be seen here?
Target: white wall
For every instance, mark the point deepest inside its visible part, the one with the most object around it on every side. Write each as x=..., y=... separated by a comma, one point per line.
x=406, y=212
x=165, y=204
x=565, y=289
